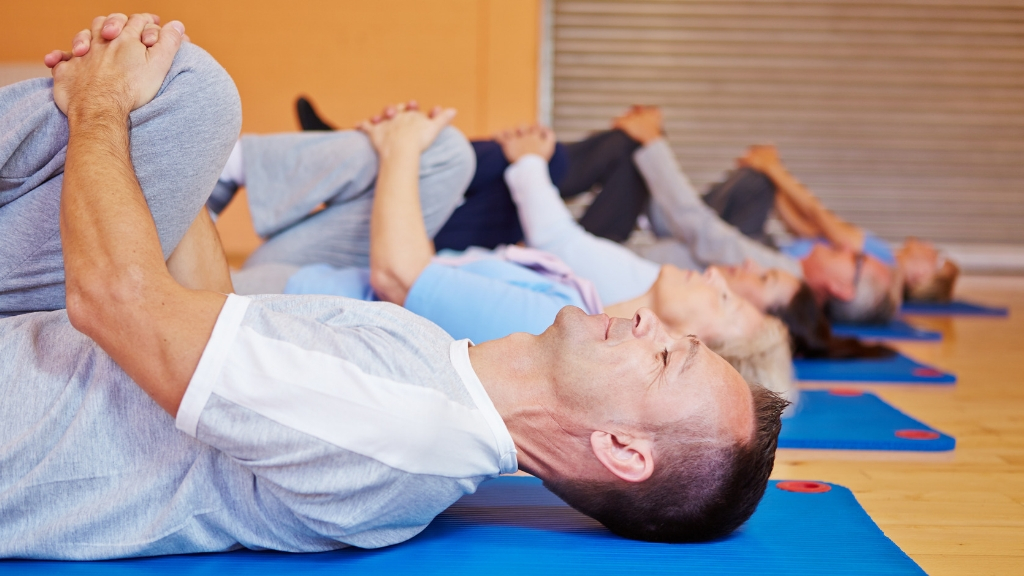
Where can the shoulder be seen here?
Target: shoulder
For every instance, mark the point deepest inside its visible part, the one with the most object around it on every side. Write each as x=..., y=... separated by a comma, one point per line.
x=382, y=339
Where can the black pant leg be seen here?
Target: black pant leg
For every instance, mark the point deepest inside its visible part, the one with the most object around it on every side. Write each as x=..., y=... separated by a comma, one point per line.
x=606, y=159
x=744, y=199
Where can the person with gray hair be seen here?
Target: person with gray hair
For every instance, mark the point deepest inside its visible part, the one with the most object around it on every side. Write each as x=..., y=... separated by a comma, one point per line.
x=851, y=285
x=160, y=414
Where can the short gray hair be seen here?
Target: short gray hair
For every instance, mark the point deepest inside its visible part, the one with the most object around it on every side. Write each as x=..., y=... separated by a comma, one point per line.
x=701, y=488
x=874, y=301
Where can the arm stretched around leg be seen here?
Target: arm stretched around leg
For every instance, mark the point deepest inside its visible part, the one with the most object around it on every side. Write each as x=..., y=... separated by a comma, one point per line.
x=399, y=245
x=119, y=290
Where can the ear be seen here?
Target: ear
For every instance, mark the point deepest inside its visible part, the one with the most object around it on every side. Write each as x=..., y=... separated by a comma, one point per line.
x=844, y=291
x=628, y=457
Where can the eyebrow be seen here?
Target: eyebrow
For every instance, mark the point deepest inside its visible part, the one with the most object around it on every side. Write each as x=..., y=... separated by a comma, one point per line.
x=691, y=356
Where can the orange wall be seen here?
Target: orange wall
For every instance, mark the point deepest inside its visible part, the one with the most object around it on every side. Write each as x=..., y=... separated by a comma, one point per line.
x=349, y=56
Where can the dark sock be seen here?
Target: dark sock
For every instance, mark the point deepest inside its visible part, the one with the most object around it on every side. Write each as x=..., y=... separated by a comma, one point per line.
x=308, y=118
x=222, y=194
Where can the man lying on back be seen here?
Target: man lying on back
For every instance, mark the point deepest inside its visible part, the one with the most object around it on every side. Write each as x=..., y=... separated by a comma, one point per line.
x=157, y=415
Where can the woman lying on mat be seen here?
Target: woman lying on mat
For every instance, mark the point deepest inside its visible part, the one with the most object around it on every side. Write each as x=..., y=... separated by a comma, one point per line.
x=548, y=225
x=483, y=294
x=488, y=218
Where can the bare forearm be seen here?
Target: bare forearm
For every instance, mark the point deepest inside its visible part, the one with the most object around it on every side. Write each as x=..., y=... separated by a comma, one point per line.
x=793, y=218
x=814, y=218
x=399, y=245
x=198, y=262
x=106, y=228
x=119, y=292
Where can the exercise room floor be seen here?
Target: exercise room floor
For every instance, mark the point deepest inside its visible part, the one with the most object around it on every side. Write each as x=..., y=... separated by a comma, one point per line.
x=961, y=513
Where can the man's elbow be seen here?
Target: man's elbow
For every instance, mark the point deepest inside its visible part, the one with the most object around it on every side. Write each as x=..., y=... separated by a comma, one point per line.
x=99, y=302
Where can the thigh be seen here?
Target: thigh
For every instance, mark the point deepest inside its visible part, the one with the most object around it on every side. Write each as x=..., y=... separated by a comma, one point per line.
x=614, y=211
x=744, y=200
x=179, y=143
x=487, y=217
x=339, y=234
x=592, y=160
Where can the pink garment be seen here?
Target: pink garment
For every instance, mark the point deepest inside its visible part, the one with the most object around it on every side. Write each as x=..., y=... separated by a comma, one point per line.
x=546, y=264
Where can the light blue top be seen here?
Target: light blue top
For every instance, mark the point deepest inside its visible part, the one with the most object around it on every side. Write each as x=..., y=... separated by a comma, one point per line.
x=873, y=246
x=481, y=300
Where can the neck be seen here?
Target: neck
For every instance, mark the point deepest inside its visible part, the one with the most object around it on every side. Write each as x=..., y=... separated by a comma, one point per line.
x=512, y=372
x=628, y=308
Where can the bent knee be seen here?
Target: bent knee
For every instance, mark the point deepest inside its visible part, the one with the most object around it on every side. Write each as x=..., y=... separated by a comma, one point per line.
x=451, y=154
x=200, y=94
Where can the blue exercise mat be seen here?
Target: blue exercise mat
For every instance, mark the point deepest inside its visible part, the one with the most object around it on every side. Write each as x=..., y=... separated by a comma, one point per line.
x=954, y=308
x=894, y=330
x=514, y=526
x=897, y=369
x=852, y=420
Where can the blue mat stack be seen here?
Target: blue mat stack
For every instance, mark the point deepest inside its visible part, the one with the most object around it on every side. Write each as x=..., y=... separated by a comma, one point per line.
x=514, y=526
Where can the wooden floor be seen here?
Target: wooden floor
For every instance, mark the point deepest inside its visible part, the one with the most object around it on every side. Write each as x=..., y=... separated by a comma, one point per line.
x=964, y=513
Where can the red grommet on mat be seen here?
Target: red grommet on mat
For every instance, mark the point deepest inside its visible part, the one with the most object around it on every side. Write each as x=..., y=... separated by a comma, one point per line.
x=911, y=434
x=803, y=486
x=927, y=372
x=845, y=392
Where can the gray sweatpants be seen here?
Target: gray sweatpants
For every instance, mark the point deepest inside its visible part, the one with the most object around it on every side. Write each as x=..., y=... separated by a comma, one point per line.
x=179, y=144
x=289, y=175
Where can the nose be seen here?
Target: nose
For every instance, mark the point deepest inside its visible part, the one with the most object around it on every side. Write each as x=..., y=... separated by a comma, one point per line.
x=714, y=278
x=645, y=323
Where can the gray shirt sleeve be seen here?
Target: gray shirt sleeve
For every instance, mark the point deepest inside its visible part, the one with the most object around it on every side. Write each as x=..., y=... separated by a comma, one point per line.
x=709, y=239
x=356, y=423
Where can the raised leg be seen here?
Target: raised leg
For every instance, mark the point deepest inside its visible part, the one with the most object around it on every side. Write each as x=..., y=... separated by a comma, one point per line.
x=179, y=143
x=744, y=200
x=288, y=176
x=606, y=159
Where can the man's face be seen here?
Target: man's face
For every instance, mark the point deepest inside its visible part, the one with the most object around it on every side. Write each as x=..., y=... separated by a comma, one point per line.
x=765, y=289
x=919, y=261
x=692, y=303
x=632, y=372
x=837, y=271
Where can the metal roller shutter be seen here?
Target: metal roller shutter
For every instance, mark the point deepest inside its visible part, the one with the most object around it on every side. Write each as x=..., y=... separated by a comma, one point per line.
x=906, y=117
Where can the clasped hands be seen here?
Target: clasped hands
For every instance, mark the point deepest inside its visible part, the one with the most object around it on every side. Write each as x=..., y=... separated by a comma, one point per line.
x=118, y=64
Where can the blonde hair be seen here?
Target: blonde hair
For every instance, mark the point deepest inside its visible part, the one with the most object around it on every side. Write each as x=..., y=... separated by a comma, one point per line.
x=938, y=288
x=763, y=358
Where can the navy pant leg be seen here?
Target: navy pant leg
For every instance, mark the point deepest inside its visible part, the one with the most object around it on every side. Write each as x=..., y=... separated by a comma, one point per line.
x=745, y=200
x=488, y=217
x=606, y=159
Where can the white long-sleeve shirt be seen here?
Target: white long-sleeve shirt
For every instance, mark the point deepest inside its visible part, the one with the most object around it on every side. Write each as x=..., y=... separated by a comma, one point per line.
x=617, y=273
